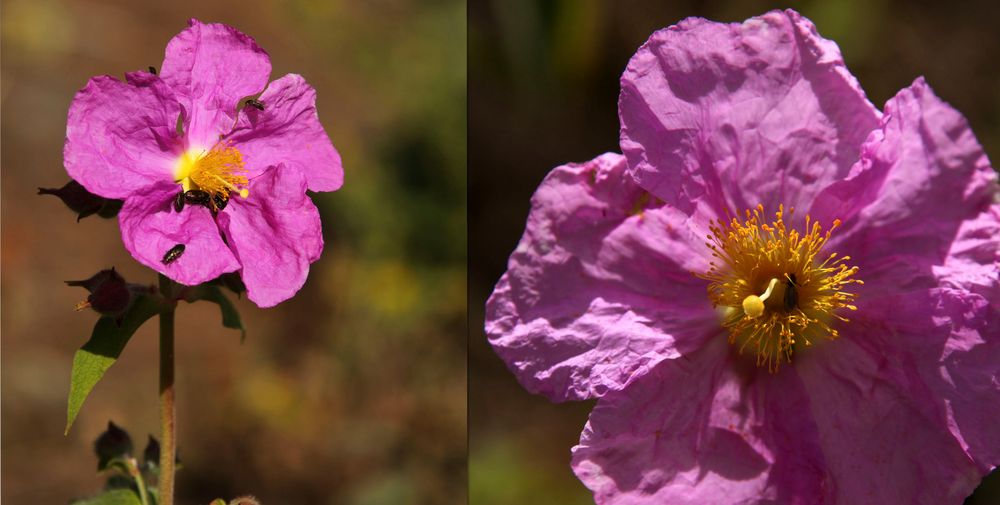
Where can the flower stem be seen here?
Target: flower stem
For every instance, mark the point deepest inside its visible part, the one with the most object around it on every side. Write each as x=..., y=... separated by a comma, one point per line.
x=133, y=469
x=167, y=411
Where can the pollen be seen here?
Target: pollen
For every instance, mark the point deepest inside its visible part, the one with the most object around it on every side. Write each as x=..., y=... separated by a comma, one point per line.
x=780, y=295
x=219, y=171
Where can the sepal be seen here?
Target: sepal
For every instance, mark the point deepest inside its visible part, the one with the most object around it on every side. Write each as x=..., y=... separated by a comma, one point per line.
x=83, y=202
x=114, y=444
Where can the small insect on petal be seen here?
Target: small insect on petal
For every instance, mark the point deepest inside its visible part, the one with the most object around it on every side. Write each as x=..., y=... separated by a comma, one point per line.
x=179, y=202
x=220, y=201
x=255, y=104
x=197, y=197
x=174, y=253
x=152, y=70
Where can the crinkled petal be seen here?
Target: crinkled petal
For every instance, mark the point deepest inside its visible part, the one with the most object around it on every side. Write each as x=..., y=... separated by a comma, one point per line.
x=707, y=428
x=920, y=223
x=150, y=227
x=275, y=234
x=880, y=433
x=921, y=175
x=762, y=112
x=940, y=348
x=288, y=131
x=973, y=261
x=211, y=67
x=601, y=286
x=966, y=378
x=121, y=137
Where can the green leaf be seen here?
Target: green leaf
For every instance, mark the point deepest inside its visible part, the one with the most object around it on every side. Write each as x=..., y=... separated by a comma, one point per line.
x=102, y=350
x=113, y=497
x=212, y=293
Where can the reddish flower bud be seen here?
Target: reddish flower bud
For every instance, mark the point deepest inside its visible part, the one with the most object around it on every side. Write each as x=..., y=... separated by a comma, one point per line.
x=113, y=443
x=83, y=202
x=109, y=293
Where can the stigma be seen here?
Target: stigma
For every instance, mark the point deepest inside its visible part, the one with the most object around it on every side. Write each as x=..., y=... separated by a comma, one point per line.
x=780, y=295
x=753, y=305
x=218, y=171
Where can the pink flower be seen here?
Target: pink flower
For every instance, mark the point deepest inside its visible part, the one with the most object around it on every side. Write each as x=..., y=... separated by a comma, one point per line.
x=244, y=167
x=728, y=361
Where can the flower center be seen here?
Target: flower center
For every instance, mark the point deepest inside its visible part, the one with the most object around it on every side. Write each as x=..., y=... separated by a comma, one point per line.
x=777, y=295
x=218, y=171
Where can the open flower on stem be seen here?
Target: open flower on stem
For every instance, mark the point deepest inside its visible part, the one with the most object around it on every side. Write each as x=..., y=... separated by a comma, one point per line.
x=210, y=184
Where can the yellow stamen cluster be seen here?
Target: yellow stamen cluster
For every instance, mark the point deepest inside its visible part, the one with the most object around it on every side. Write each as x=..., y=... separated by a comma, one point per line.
x=799, y=294
x=218, y=171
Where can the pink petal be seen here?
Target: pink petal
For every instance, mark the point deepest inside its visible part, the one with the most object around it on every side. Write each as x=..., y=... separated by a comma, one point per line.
x=288, y=130
x=150, y=227
x=921, y=175
x=275, y=234
x=941, y=348
x=881, y=436
x=707, y=428
x=965, y=377
x=211, y=67
x=944, y=337
x=973, y=259
x=920, y=225
x=741, y=114
x=601, y=286
x=120, y=138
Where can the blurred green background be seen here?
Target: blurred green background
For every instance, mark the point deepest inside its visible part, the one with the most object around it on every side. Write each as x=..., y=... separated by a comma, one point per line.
x=543, y=91
x=354, y=391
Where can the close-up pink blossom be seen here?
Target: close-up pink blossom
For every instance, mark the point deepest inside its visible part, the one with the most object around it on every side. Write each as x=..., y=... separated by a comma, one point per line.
x=212, y=162
x=778, y=293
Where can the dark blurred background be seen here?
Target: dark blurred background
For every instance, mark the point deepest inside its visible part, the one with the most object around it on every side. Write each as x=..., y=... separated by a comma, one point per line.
x=543, y=91
x=354, y=391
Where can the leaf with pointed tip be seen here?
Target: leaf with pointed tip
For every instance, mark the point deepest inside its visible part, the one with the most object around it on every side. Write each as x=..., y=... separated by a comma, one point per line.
x=102, y=350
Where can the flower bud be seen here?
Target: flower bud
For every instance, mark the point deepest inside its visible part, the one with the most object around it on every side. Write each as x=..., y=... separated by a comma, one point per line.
x=113, y=443
x=83, y=202
x=109, y=293
x=110, y=208
x=151, y=455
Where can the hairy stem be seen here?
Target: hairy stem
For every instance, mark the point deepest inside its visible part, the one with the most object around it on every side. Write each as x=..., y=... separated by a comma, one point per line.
x=168, y=447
